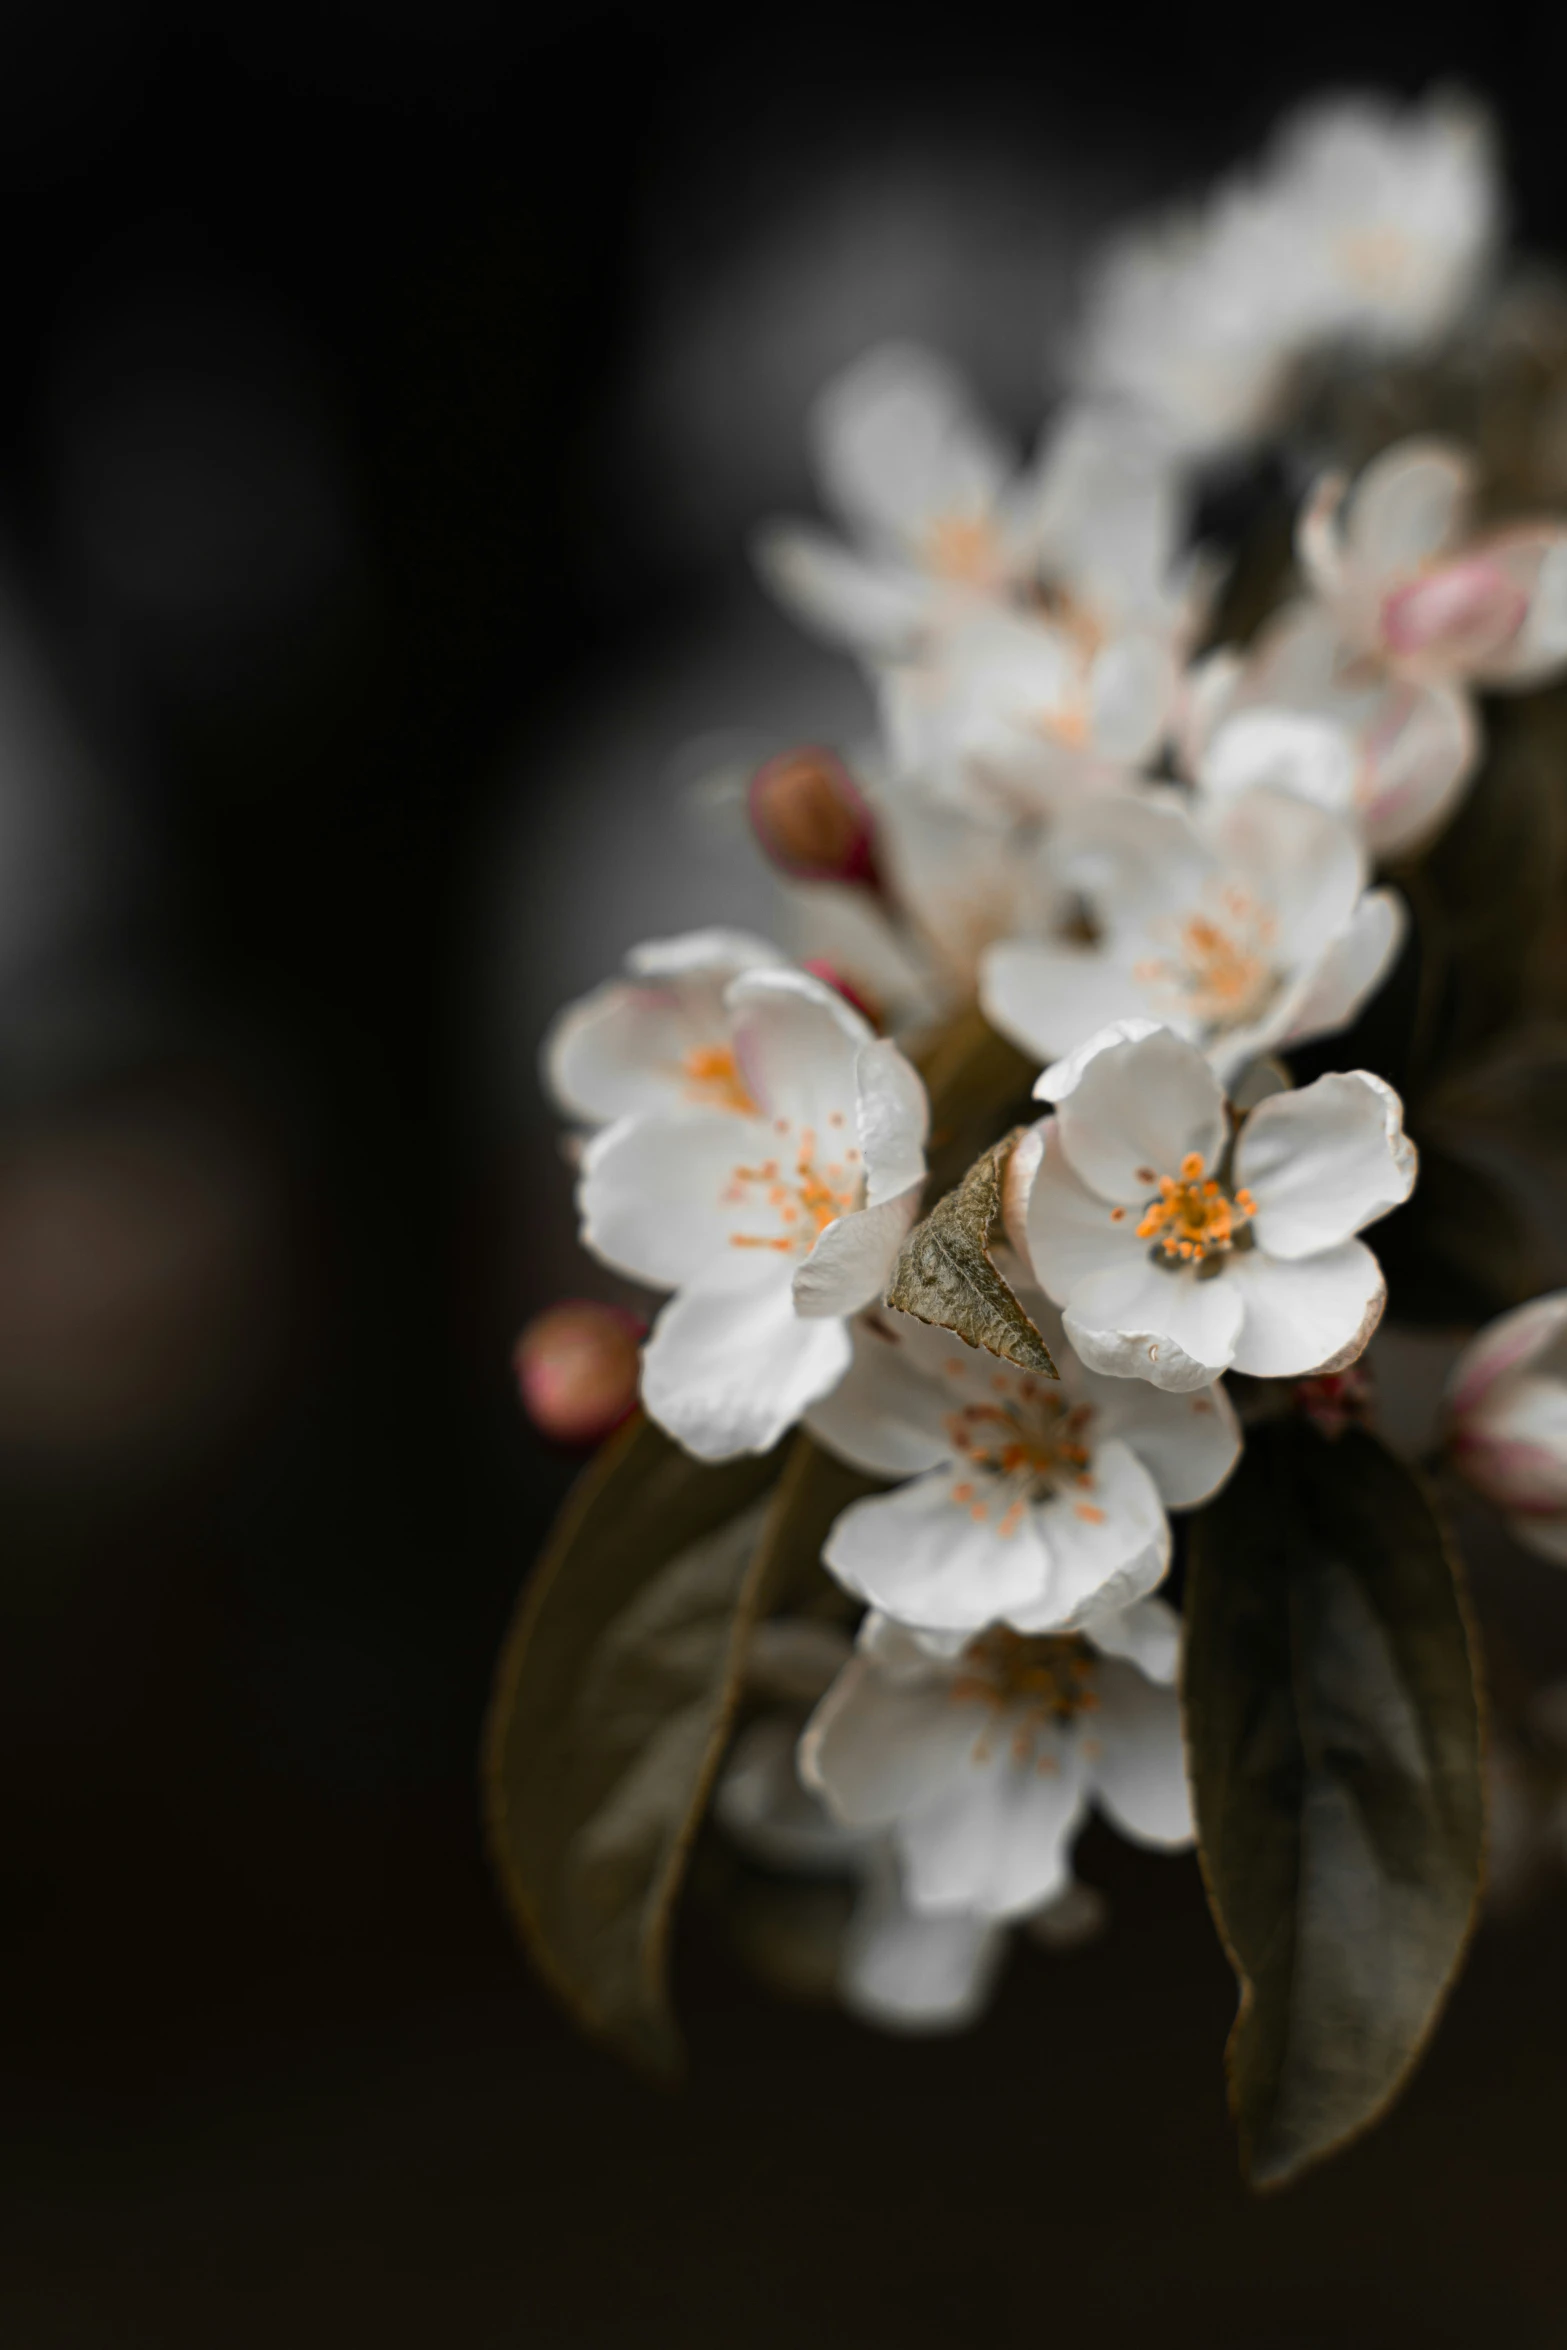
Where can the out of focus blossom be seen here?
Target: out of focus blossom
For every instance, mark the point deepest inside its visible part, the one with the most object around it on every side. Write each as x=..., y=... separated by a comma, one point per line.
x=982, y=1764
x=660, y=1039
x=1507, y=1421
x=576, y=1367
x=1243, y=924
x=1411, y=589
x=1303, y=712
x=772, y=1220
x=1364, y=223
x=812, y=819
x=1034, y=1502
x=1180, y=1247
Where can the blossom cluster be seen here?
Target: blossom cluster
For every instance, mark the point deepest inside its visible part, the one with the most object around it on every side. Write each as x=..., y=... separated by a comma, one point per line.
x=1150, y=861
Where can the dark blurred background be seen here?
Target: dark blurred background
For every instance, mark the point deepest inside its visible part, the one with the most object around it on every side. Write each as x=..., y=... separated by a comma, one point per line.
x=387, y=398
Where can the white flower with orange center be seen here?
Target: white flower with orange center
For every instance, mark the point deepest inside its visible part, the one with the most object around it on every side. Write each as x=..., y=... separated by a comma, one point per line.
x=1032, y=1502
x=1412, y=589
x=1182, y=1237
x=981, y=1758
x=659, y=1039
x=1507, y=1421
x=772, y=1220
x=1245, y=926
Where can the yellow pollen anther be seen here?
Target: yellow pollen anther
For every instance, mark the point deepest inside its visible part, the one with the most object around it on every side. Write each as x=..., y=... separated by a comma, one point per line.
x=1192, y=1219
x=712, y=1076
x=1049, y=1676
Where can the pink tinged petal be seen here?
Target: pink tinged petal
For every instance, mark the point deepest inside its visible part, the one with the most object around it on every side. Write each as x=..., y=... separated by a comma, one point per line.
x=881, y=1744
x=1188, y=1443
x=1511, y=1343
x=796, y=1042
x=1410, y=505
x=1147, y=1635
x=917, y=1974
x=851, y=1261
x=1048, y=999
x=1513, y=1445
x=998, y=1842
x=1070, y=1232
x=886, y=1415
x=1146, y=1103
x=1313, y=757
x=1305, y=1314
x=1351, y=970
x=1139, y=1771
x=655, y=1192
x=893, y=1117
x=1324, y=1162
x=1422, y=746
x=1107, y=1543
x=1319, y=536
x=877, y=608
x=1456, y=619
x=1536, y=560
x=730, y=1365
x=1142, y=1321
x=935, y=1560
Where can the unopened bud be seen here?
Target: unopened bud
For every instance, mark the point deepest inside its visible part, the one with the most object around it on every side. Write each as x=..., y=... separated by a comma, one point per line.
x=576, y=1367
x=813, y=820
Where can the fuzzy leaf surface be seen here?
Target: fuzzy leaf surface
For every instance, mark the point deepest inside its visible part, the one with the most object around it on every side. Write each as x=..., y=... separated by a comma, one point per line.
x=944, y=1273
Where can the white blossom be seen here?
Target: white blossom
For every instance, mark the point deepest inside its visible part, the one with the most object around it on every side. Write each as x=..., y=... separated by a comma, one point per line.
x=1032, y=1502
x=1182, y=1240
x=1412, y=590
x=1363, y=223
x=659, y=1039
x=1507, y=1421
x=1243, y=924
x=981, y=1761
x=771, y=1221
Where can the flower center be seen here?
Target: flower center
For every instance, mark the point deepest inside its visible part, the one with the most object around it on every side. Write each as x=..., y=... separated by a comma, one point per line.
x=1375, y=259
x=798, y=1196
x=1047, y=1676
x=1023, y=1448
x=1194, y=1221
x=713, y=1078
x=964, y=547
x=1221, y=970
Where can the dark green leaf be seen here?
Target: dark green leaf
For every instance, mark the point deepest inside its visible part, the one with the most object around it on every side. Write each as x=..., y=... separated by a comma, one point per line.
x=611, y=1707
x=944, y=1274
x=1460, y=1250
x=1332, y=1731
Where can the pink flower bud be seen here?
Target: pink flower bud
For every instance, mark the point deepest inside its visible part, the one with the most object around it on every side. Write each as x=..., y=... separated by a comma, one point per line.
x=1455, y=616
x=812, y=819
x=577, y=1367
x=1507, y=1420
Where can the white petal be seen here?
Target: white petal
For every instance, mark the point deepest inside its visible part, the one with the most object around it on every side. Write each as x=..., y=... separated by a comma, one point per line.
x=1139, y=1773
x=1064, y=1076
x=714, y=955
x=1511, y=1343
x=930, y=1560
x=1048, y=999
x=851, y=1260
x=1138, y=1106
x=894, y=1119
x=1188, y=1443
x=1107, y=1544
x=1324, y=1162
x=1296, y=751
x=1141, y=1321
x=625, y=1047
x=880, y=1744
x=760, y=1802
x=1132, y=688
x=1352, y=969
x=653, y=1196
x=913, y=1973
x=1305, y=1314
x=875, y=608
x=998, y=1842
x=1410, y=504
x=886, y=1415
x=1423, y=747
x=796, y=1043
x=1017, y=1185
x=730, y=1365
x=1304, y=864
x=1147, y=1634
x=1537, y=558
x=1070, y=1231
x=900, y=446
x=1514, y=1444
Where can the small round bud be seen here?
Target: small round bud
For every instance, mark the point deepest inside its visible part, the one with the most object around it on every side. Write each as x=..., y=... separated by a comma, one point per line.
x=576, y=1367
x=813, y=820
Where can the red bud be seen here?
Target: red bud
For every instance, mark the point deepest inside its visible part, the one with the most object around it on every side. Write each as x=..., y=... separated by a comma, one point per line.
x=576, y=1367
x=813, y=820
